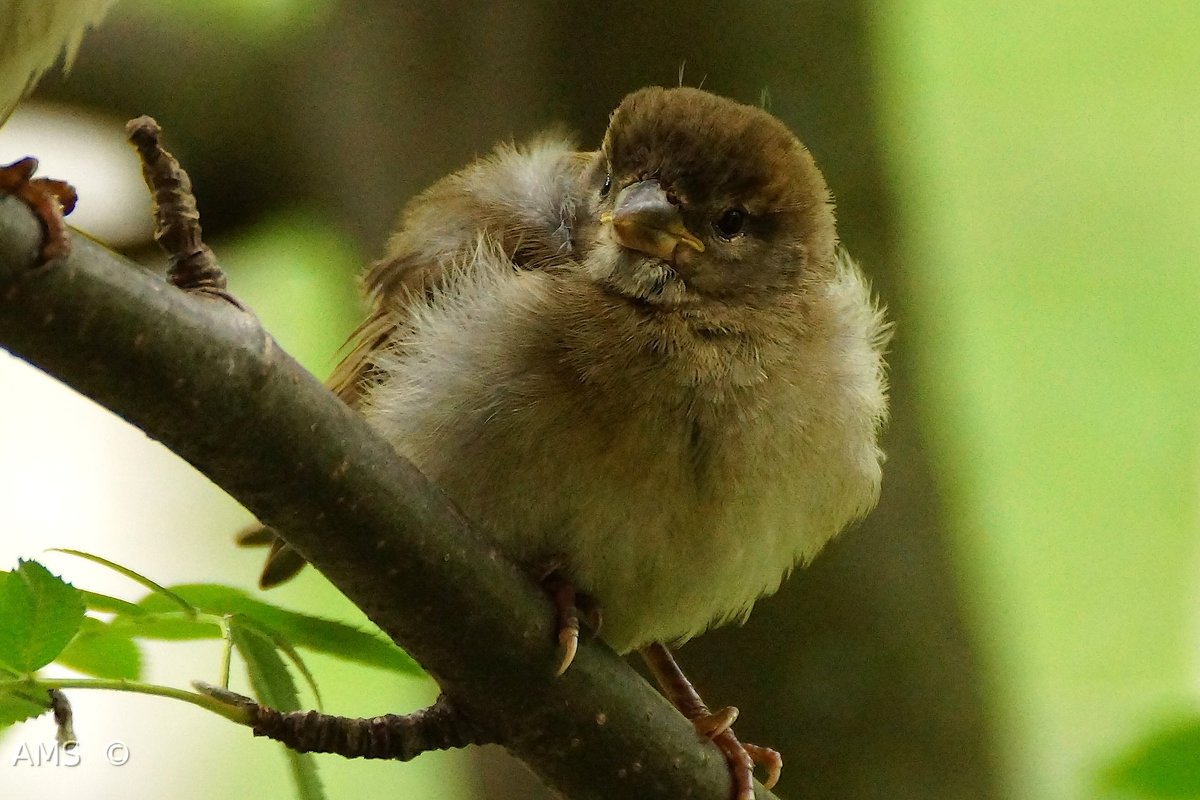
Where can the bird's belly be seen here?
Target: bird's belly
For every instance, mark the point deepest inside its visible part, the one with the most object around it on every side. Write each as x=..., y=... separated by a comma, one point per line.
x=667, y=549
x=675, y=509
x=665, y=574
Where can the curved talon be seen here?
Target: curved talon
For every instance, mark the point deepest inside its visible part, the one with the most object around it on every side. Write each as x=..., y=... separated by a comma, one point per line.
x=771, y=759
x=569, y=639
x=562, y=592
x=569, y=603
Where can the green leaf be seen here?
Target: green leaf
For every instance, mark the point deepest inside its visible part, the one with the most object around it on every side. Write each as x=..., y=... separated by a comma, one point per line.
x=269, y=675
x=305, y=775
x=169, y=626
x=273, y=686
x=287, y=649
x=103, y=651
x=301, y=630
x=39, y=613
x=18, y=706
x=1164, y=765
x=112, y=605
x=128, y=573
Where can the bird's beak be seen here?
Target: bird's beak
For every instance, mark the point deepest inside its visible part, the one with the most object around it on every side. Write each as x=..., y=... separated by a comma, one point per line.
x=643, y=219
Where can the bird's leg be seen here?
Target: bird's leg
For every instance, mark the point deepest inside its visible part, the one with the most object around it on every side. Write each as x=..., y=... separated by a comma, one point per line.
x=48, y=199
x=568, y=603
x=716, y=726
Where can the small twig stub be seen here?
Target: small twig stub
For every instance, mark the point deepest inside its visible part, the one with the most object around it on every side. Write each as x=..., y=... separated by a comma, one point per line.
x=193, y=266
x=441, y=726
x=64, y=719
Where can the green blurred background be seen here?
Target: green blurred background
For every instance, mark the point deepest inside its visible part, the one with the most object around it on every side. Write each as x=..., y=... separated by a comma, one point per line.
x=1021, y=181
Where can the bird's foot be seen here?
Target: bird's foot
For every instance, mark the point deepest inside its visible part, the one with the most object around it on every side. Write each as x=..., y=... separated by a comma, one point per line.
x=569, y=603
x=50, y=200
x=741, y=758
x=716, y=726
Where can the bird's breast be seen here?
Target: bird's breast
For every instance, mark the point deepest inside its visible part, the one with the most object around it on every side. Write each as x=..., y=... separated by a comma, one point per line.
x=679, y=485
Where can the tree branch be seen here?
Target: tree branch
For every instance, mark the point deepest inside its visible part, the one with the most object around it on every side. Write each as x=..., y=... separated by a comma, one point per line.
x=212, y=385
x=391, y=736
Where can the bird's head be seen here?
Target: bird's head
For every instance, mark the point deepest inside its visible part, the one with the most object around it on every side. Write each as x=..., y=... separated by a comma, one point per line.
x=699, y=199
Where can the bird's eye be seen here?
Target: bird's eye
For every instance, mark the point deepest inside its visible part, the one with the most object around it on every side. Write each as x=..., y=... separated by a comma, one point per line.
x=607, y=187
x=730, y=223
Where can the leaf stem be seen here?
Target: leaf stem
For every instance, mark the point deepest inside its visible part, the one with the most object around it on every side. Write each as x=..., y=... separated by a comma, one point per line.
x=132, y=575
x=231, y=713
x=226, y=650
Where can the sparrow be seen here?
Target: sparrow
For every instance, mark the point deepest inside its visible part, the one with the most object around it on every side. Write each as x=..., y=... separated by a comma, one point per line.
x=34, y=35
x=650, y=366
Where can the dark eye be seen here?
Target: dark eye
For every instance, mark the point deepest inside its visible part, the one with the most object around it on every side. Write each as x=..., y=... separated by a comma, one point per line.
x=730, y=223
x=604, y=190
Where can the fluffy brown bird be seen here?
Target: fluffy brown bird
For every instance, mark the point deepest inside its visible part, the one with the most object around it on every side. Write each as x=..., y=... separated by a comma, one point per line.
x=649, y=365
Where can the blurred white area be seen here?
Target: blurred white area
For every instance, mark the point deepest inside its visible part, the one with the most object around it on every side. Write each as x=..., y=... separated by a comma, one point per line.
x=89, y=151
x=74, y=475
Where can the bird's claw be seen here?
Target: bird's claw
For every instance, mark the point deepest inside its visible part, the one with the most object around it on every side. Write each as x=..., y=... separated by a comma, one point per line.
x=569, y=604
x=568, y=639
x=563, y=593
x=741, y=757
x=50, y=201
x=716, y=726
x=771, y=759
